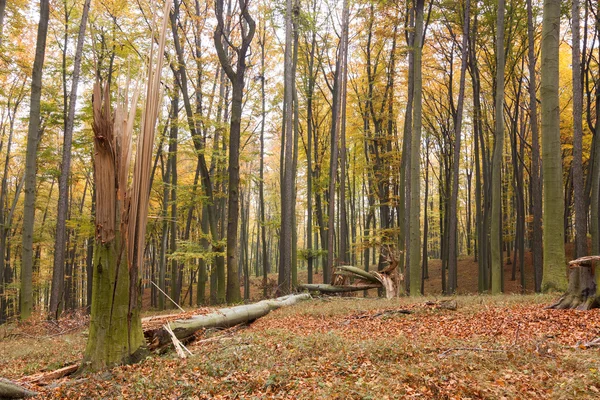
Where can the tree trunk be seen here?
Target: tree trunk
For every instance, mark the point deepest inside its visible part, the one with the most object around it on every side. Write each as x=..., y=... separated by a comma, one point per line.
x=236, y=77
x=332, y=289
x=199, y=145
x=415, y=158
x=176, y=284
x=536, y=188
x=223, y=318
x=287, y=183
x=309, y=167
x=453, y=223
x=496, y=227
x=595, y=177
x=2, y=13
x=553, y=236
x=26, y=300
x=58, y=274
x=333, y=159
x=10, y=390
x=577, y=170
x=404, y=198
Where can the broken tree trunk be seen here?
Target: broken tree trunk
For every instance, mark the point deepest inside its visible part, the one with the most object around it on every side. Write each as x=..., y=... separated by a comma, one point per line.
x=223, y=318
x=10, y=390
x=582, y=293
x=366, y=280
x=368, y=276
x=325, y=288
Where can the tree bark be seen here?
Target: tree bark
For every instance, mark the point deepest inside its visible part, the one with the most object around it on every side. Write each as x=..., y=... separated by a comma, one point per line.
x=61, y=216
x=496, y=226
x=10, y=390
x=176, y=271
x=335, y=125
x=453, y=234
x=536, y=190
x=261, y=184
x=577, y=170
x=326, y=288
x=553, y=236
x=287, y=186
x=236, y=77
x=223, y=318
x=26, y=300
x=415, y=158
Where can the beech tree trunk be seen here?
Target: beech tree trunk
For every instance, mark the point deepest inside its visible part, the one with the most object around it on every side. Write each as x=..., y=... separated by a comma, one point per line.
x=577, y=170
x=415, y=159
x=236, y=77
x=222, y=318
x=536, y=187
x=287, y=183
x=453, y=234
x=115, y=331
x=26, y=299
x=10, y=390
x=496, y=227
x=58, y=273
x=554, y=277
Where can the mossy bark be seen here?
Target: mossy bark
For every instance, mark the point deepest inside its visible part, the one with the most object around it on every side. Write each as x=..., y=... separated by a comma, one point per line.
x=581, y=294
x=116, y=335
x=554, y=277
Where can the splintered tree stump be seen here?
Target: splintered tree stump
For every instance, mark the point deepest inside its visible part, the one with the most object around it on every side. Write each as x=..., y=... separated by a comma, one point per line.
x=581, y=294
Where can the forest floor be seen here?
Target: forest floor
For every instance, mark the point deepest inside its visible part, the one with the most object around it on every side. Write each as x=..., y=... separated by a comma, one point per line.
x=494, y=347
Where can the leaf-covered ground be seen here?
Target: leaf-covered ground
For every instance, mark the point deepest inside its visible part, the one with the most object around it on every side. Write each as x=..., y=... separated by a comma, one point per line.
x=348, y=348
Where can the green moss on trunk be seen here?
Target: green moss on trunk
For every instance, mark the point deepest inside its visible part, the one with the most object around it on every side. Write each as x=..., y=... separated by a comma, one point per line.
x=116, y=336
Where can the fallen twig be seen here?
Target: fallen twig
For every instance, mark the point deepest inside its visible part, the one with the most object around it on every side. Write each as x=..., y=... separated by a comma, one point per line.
x=179, y=347
x=173, y=301
x=593, y=343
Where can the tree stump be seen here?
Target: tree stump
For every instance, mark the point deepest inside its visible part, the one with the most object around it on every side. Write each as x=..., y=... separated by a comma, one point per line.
x=581, y=294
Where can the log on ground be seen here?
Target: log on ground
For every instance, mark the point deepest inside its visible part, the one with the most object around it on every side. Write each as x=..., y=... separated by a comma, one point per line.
x=360, y=273
x=325, y=288
x=223, y=318
x=10, y=390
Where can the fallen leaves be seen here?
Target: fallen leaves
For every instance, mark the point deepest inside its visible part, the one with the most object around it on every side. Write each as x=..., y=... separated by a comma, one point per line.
x=371, y=349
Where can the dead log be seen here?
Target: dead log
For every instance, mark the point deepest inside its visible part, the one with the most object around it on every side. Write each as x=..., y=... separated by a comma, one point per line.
x=10, y=390
x=381, y=278
x=325, y=288
x=360, y=273
x=223, y=318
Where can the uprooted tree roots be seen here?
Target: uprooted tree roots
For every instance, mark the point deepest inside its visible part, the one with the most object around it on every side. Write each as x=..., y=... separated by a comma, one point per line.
x=581, y=294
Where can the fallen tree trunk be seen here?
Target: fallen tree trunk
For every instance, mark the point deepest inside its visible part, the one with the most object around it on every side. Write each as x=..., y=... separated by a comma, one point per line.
x=223, y=318
x=10, y=390
x=325, y=288
x=366, y=280
x=368, y=276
